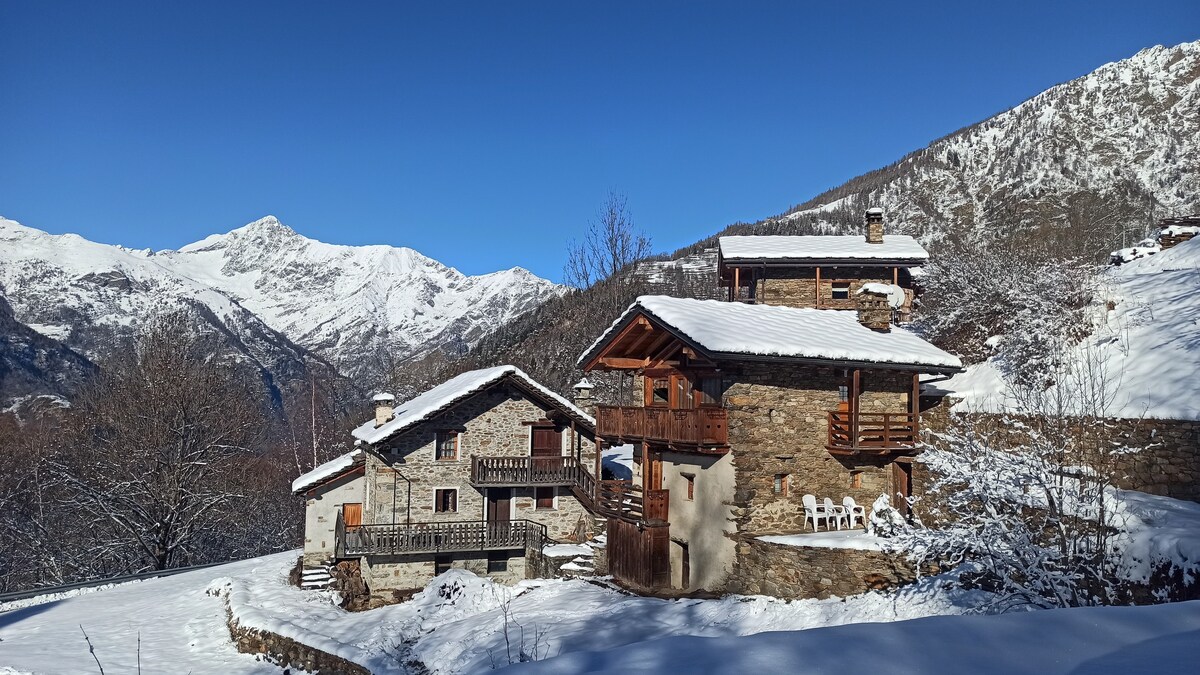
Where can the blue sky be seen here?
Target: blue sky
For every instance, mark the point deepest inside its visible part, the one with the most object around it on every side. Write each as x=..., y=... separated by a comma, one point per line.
x=485, y=134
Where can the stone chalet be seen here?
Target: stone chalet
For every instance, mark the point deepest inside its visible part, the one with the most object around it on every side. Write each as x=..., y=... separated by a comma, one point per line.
x=821, y=272
x=736, y=411
x=474, y=473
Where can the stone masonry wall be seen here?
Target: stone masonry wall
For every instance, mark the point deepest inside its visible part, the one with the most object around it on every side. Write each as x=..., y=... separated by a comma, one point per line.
x=791, y=572
x=796, y=287
x=489, y=425
x=1168, y=463
x=778, y=424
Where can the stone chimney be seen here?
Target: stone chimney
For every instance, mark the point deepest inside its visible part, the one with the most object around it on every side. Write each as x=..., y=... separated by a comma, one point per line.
x=583, y=396
x=384, y=408
x=875, y=225
x=874, y=307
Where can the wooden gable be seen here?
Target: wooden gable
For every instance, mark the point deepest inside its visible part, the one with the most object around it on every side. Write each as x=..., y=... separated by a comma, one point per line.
x=644, y=344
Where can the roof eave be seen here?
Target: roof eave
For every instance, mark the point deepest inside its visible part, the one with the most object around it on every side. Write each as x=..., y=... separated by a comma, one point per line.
x=840, y=363
x=832, y=262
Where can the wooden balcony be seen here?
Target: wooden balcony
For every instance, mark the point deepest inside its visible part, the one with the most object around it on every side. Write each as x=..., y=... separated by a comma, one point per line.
x=696, y=429
x=403, y=539
x=625, y=500
x=871, y=433
x=526, y=471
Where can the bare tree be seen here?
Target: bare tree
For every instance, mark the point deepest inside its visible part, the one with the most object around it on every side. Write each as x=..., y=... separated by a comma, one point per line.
x=611, y=244
x=155, y=441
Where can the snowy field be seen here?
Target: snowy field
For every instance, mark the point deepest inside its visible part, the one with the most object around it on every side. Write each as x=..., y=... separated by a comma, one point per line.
x=458, y=624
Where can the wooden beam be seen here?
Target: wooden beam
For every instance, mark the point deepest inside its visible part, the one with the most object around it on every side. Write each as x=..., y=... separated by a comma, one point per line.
x=817, y=298
x=623, y=363
x=854, y=392
x=737, y=282
x=896, y=276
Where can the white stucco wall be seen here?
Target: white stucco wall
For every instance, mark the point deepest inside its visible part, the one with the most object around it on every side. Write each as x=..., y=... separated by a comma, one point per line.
x=701, y=523
x=321, y=509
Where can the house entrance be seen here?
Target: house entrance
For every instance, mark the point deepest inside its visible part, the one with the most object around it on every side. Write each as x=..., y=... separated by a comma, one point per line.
x=499, y=505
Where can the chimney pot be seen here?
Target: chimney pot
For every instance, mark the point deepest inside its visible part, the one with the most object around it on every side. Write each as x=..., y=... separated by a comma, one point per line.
x=385, y=408
x=874, y=225
x=583, y=395
x=874, y=308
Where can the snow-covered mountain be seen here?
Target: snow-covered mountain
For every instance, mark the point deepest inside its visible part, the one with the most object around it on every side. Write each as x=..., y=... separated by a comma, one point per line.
x=274, y=294
x=1104, y=155
x=346, y=302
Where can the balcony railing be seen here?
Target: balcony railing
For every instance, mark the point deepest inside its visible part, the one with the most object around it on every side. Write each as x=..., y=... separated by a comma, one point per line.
x=625, y=500
x=701, y=428
x=400, y=538
x=871, y=432
x=520, y=471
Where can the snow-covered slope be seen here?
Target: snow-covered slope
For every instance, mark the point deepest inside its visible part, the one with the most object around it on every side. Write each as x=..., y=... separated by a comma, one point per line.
x=1146, y=348
x=346, y=301
x=274, y=292
x=1111, y=150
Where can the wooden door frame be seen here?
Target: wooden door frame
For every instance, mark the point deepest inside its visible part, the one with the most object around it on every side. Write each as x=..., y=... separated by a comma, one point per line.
x=487, y=504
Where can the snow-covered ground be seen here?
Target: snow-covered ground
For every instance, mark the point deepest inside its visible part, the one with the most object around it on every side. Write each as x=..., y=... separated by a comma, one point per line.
x=181, y=628
x=1146, y=347
x=458, y=624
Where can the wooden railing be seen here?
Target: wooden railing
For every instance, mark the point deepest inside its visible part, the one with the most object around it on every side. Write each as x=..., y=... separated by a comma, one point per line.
x=871, y=432
x=625, y=500
x=699, y=427
x=399, y=538
x=519, y=471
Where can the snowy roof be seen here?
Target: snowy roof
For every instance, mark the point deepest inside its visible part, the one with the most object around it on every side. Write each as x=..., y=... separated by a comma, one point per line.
x=734, y=329
x=380, y=398
x=839, y=247
x=331, y=469
x=424, y=406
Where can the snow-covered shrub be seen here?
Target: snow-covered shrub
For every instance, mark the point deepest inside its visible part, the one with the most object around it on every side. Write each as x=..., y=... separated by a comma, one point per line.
x=885, y=520
x=1028, y=497
x=1018, y=305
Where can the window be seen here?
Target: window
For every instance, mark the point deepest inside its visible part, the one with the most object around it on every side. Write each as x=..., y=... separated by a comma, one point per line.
x=445, y=501
x=544, y=498
x=441, y=564
x=660, y=391
x=691, y=486
x=856, y=479
x=843, y=394
x=447, y=445
x=841, y=290
x=710, y=391
x=781, y=484
x=497, y=561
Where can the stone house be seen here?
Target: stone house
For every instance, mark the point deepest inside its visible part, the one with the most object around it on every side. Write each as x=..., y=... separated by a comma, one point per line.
x=479, y=472
x=821, y=272
x=736, y=411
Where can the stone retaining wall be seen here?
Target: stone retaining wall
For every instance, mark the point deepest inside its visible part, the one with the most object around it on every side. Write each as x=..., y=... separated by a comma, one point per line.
x=792, y=572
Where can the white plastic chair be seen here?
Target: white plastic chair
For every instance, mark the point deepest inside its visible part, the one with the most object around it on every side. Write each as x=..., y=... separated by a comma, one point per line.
x=813, y=513
x=838, y=513
x=854, y=512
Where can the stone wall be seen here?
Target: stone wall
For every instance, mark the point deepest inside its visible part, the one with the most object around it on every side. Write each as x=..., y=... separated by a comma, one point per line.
x=797, y=287
x=389, y=578
x=791, y=572
x=1167, y=464
x=778, y=424
x=493, y=424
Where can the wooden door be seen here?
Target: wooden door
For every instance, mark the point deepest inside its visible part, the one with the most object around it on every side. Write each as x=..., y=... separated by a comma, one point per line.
x=352, y=514
x=546, y=442
x=499, y=505
x=902, y=486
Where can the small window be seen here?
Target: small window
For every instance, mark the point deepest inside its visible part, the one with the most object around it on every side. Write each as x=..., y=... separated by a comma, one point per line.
x=843, y=394
x=445, y=501
x=544, y=497
x=691, y=487
x=447, y=445
x=497, y=561
x=856, y=479
x=841, y=290
x=441, y=564
x=781, y=484
x=710, y=391
x=660, y=391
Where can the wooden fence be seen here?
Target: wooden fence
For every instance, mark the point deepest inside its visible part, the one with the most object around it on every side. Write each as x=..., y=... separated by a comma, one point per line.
x=399, y=538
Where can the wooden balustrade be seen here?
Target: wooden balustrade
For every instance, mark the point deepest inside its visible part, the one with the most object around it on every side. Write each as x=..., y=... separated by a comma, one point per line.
x=871, y=432
x=699, y=428
x=625, y=500
x=521, y=471
x=399, y=538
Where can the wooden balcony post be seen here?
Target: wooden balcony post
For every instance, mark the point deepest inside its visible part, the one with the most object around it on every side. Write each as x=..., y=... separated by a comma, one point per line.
x=854, y=385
